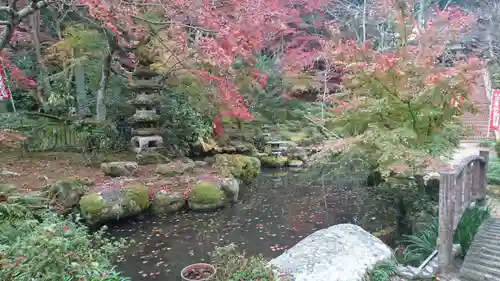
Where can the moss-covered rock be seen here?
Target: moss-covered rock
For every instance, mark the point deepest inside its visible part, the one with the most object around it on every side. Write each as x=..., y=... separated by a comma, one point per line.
x=7, y=190
x=387, y=235
x=119, y=169
x=164, y=202
x=136, y=197
x=206, y=197
x=295, y=163
x=114, y=203
x=151, y=157
x=67, y=192
x=274, y=161
x=240, y=166
x=231, y=187
x=297, y=153
x=176, y=167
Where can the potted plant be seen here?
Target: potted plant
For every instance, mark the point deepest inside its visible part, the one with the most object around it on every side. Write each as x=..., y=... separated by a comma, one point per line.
x=198, y=271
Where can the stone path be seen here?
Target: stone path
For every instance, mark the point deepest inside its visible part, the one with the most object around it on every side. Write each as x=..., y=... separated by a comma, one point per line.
x=482, y=262
x=464, y=150
x=453, y=275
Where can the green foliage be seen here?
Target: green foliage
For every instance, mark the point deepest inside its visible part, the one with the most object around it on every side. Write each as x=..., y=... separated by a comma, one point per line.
x=494, y=172
x=44, y=246
x=267, y=100
x=486, y=144
x=181, y=123
x=497, y=147
x=54, y=134
x=419, y=246
x=98, y=275
x=471, y=220
x=234, y=266
x=383, y=271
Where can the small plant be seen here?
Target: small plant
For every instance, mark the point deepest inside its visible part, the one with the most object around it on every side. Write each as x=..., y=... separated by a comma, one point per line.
x=421, y=245
x=383, y=271
x=497, y=147
x=198, y=272
x=233, y=265
x=98, y=275
x=485, y=144
x=470, y=223
x=494, y=171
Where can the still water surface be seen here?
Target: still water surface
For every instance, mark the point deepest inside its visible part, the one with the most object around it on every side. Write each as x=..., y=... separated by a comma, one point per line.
x=273, y=215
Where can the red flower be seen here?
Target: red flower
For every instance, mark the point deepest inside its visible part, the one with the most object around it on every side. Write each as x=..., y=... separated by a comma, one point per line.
x=66, y=228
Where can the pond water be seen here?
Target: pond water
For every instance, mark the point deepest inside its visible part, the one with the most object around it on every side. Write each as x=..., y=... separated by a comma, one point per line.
x=275, y=213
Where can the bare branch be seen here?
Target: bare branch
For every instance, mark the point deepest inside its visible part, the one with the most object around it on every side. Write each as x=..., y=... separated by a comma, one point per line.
x=17, y=18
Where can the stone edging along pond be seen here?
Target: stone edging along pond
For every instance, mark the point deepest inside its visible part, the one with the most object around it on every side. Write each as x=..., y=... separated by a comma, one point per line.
x=197, y=185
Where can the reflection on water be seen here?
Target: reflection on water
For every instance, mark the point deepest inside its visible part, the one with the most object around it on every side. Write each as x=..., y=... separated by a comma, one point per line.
x=273, y=215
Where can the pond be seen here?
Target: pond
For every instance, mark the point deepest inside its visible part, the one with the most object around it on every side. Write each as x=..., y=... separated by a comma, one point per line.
x=275, y=213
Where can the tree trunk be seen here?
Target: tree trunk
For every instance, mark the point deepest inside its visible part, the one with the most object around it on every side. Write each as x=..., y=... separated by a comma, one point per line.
x=421, y=15
x=81, y=92
x=35, y=25
x=16, y=18
x=364, y=21
x=103, y=83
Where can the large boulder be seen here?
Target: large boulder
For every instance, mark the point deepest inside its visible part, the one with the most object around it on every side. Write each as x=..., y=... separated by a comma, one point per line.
x=119, y=169
x=176, y=167
x=67, y=192
x=206, y=196
x=164, y=202
x=343, y=252
x=151, y=157
x=297, y=153
x=274, y=161
x=7, y=190
x=240, y=166
x=114, y=203
x=231, y=187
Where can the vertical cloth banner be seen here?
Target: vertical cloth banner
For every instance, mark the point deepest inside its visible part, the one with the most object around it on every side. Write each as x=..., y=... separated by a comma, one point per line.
x=4, y=88
x=495, y=110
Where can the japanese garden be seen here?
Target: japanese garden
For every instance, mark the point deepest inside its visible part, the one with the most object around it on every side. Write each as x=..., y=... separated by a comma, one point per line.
x=238, y=140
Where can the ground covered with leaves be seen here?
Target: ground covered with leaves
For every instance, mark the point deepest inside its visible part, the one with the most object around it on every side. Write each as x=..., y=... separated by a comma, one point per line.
x=36, y=170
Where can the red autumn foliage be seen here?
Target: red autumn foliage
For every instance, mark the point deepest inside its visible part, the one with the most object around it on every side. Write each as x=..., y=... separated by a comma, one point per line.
x=396, y=103
x=240, y=30
x=18, y=79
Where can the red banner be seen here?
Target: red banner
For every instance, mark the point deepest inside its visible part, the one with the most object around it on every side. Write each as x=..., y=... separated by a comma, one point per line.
x=495, y=110
x=4, y=88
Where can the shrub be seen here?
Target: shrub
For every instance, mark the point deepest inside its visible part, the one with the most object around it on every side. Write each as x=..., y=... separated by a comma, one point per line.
x=419, y=246
x=485, y=144
x=494, y=172
x=233, y=265
x=497, y=147
x=471, y=220
x=383, y=271
x=46, y=246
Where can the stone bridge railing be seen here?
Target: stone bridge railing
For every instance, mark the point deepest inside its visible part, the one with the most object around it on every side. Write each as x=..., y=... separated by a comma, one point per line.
x=458, y=188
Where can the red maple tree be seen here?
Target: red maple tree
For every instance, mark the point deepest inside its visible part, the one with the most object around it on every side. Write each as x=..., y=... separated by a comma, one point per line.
x=395, y=104
x=236, y=30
